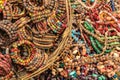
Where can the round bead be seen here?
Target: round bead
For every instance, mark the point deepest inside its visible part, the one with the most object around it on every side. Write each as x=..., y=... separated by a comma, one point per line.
x=92, y=0
x=83, y=0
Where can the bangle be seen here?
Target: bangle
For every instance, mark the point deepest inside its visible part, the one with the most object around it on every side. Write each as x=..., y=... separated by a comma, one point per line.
x=7, y=27
x=29, y=6
x=5, y=65
x=15, y=52
x=2, y=4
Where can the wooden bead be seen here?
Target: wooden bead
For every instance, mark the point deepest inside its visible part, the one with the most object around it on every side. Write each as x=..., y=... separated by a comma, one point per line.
x=78, y=68
x=111, y=74
x=78, y=72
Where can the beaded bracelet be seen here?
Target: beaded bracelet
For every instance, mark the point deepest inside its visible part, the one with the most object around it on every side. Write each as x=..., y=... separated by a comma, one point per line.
x=6, y=69
x=7, y=27
x=25, y=33
x=2, y=4
x=42, y=27
x=38, y=64
x=21, y=22
x=60, y=10
x=17, y=12
x=29, y=6
x=44, y=42
x=15, y=52
x=116, y=21
x=98, y=44
x=54, y=27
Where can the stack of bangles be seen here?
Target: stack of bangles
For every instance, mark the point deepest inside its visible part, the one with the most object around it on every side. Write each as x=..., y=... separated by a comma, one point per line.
x=24, y=53
x=5, y=67
x=9, y=35
x=45, y=42
x=28, y=50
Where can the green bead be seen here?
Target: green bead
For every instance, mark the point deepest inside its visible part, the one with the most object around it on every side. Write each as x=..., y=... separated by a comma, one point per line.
x=94, y=45
x=74, y=6
x=114, y=43
x=108, y=51
x=100, y=78
x=98, y=44
x=90, y=28
x=61, y=65
x=94, y=75
x=103, y=77
x=73, y=74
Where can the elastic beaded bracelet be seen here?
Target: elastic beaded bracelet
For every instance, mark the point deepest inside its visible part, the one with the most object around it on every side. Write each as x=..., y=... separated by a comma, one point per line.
x=8, y=28
x=2, y=4
x=37, y=65
x=5, y=65
x=115, y=20
x=98, y=44
x=29, y=6
x=21, y=22
x=42, y=27
x=15, y=52
x=17, y=12
x=25, y=33
x=7, y=14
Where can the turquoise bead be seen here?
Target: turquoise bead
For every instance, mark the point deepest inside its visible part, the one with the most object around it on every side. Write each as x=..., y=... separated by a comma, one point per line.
x=73, y=74
x=61, y=65
x=92, y=0
x=100, y=78
x=74, y=6
x=94, y=75
x=103, y=77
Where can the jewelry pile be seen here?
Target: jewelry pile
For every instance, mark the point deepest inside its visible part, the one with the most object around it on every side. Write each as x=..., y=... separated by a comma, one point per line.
x=59, y=40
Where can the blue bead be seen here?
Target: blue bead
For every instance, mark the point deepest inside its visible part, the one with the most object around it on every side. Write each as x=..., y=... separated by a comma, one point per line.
x=115, y=76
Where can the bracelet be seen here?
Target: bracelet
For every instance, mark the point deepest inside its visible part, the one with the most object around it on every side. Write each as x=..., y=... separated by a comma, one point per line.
x=15, y=52
x=2, y=4
x=7, y=28
x=5, y=65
